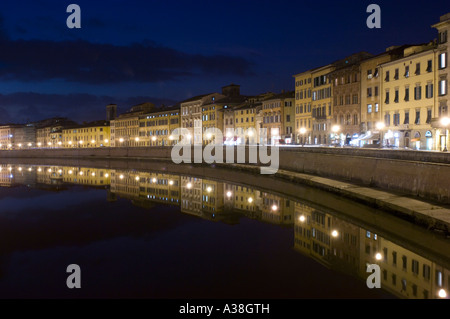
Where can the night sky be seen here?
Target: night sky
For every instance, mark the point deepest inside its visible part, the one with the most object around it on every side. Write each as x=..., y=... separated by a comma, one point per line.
x=129, y=52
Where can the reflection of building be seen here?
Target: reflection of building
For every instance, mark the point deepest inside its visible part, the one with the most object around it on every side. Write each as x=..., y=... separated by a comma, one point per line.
x=403, y=273
x=191, y=196
x=17, y=136
x=276, y=210
x=6, y=175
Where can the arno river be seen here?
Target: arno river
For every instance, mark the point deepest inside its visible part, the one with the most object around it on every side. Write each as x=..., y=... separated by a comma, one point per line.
x=156, y=234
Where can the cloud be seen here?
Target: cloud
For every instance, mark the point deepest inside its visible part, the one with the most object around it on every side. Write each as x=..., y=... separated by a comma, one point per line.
x=27, y=107
x=94, y=63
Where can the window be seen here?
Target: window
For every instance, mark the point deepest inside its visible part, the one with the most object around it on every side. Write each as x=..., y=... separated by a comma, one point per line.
x=442, y=60
x=417, y=121
x=355, y=119
x=429, y=66
x=288, y=118
x=396, y=96
x=406, y=117
x=415, y=267
x=407, y=94
x=407, y=71
x=369, y=92
x=387, y=119
x=394, y=258
x=376, y=73
x=429, y=90
x=404, y=262
x=428, y=116
x=376, y=91
x=387, y=76
x=442, y=87
x=355, y=99
x=369, y=108
x=396, y=119
x=442, y=37
x=376, y=108
x=347, y=99
x=426, y=270
x=394, y=280
x=369, y=74
x=396, y=74
x=417, y=92
x=417, y=69
x=387, y=98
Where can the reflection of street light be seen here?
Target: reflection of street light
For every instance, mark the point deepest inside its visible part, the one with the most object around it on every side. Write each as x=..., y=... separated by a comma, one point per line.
x=378, y=256
x=229, y=194
x=445, y=121
x=250, y=200
x=301, y=218
x=334, y=233
x=380, y=126
x=302, y=133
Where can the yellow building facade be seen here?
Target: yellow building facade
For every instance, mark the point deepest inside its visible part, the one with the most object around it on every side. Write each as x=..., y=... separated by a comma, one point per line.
x=156, y=128
x=408, y=101
x=92, y=135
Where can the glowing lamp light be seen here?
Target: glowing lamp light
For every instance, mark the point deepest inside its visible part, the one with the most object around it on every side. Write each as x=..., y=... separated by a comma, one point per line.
x=29, y=169
x=81, y=142
x=209, y=189
x=378, y=256
x=39, y=144
x=137, y=139
x=189, y=136
x=380, y=125
x=70, y=142
x=93, y=141
x=302, y=130
x=29, y=144
x=442, y=293
x=170, y=183
x=229, y=134
x=154, y=138
x=20, y=145
x=301, y=218
x=39, y=169
x=106, y=141
x=154, y=180
x=20, y=169
x=49, y=170
x=60, y=171
x=121, y=140
x=445, y=121
x=335, y=128
x=137, y=178
x=334, y=233
x=70, y=172
x=81, y=173
x=250, y=200
x=93, y=174
x=49, y=143
x=229, y=194
x=208, y=136
x=171, y=137
x=189, y=185
x=274, y=208
x=106, y=175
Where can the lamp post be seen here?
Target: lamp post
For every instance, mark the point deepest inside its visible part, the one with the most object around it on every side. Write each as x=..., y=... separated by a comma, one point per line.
x=445, y=121
x=335, y=129
x=302, y=133
x=380, y=126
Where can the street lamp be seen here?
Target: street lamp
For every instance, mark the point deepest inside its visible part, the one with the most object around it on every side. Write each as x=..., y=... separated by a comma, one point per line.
x=380, y=126
x=445, y=121
x=335, y=129
x=302, y=133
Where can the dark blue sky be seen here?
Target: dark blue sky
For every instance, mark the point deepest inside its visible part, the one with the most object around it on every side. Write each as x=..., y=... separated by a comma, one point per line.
x=129, y=52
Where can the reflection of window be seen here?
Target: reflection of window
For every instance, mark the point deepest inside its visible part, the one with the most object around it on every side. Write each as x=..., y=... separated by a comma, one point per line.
x=369, y=108
x=426, y=272
x=415, y=267
x=404, y=262
x=394, y=258
x=404, y=284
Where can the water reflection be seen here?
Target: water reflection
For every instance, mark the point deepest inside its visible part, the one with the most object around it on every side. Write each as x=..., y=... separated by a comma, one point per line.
x=336, y=243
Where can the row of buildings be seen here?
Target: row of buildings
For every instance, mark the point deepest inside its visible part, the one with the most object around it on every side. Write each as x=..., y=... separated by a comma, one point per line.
x=332, y=241
x=398, y=98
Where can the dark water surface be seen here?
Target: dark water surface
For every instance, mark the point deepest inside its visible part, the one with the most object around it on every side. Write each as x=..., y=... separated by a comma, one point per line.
x=143, y=234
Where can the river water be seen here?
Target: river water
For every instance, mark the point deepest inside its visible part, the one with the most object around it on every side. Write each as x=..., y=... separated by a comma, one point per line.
x=155, y=234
